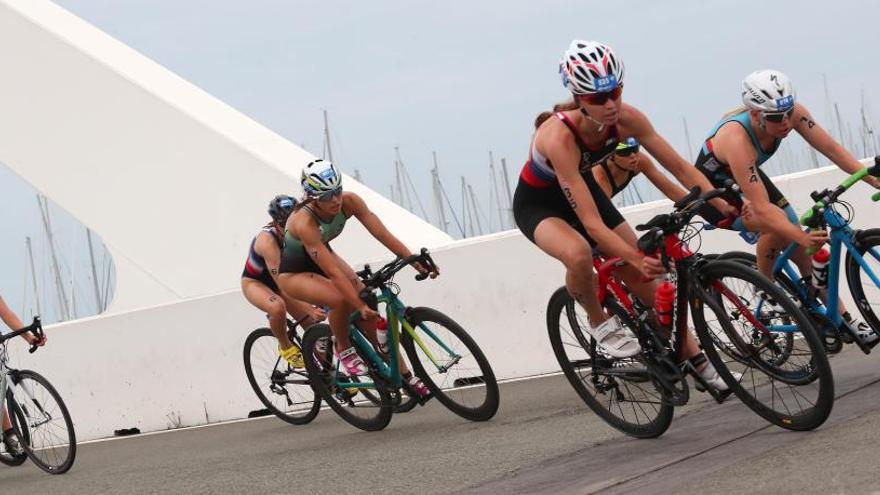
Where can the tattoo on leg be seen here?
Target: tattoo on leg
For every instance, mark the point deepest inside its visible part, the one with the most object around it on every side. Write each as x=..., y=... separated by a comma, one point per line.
x=273, y=271
x=578, y=296
x=273, y=298
x=569, y=197
x=771, y=255
x=314, y=254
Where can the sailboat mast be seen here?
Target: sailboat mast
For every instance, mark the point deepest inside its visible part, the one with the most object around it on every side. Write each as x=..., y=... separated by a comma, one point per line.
x=328, y=150
x=687, y=140
x=62, y=297
x=496, y=192
x=33, y=274
x=506, y=182
x=438, y=195
x=99, y=304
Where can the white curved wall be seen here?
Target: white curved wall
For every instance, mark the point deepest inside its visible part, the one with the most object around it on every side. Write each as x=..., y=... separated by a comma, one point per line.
x=173, y=180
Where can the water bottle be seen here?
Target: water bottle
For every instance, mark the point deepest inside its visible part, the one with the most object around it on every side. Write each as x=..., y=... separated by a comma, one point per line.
x=820, y=268
x=663, y=304
x=382, y=334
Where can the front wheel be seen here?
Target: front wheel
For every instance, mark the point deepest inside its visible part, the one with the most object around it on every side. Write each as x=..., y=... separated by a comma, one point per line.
x=43, y=425
x=620, y=391
x=451, y=364
x=865, y=289
x=744, y=339
x=285, y=391
x=367, y=408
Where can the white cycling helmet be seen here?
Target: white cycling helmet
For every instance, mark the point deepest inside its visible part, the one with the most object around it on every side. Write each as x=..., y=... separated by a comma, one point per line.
x=590, y=67
x=768, y=91
x=319, y=177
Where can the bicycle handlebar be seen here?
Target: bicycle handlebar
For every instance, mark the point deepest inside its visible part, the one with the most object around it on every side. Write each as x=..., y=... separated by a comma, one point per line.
x=812, y=217
x=384, y=274
x=35, y=328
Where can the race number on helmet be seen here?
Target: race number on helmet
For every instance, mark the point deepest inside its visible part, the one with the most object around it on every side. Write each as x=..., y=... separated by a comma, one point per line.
x=768, y=91
x=319, y=177
x=590, y=67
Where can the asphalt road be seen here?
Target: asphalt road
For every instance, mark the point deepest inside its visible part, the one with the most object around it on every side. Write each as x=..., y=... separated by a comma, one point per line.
x=543, y=440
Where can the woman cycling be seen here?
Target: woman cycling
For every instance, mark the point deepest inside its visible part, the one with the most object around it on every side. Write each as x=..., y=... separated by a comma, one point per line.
x=560, y=207
x=258, y=281
x=616, y=172
x=748, y=137
x=13, y=446
x=313, y=272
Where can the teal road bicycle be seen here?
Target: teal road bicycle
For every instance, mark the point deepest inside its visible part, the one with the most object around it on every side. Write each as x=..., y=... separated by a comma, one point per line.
x=861, y=264
x=440, y=353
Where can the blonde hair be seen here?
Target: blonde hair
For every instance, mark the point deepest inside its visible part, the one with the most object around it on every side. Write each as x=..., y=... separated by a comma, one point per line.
x=738, y=110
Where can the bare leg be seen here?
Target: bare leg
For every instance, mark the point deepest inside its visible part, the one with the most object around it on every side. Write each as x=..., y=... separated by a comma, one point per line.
x=559, y=240
x=270, y=303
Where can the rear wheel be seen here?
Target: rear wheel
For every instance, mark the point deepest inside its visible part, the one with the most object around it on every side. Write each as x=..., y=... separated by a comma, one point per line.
x=742, y=342
x=620, y=391
x=369, y=408
x=864, y=289
x=44, y=425
x=285, y=391
x=451, y=364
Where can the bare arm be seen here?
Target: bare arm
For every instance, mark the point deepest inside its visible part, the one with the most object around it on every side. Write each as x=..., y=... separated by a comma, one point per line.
x=733, y=145
x=670, y=189
x=685, y=172
x=564, y=154
x=819, y=139
x=358, y=208
x=9, y=318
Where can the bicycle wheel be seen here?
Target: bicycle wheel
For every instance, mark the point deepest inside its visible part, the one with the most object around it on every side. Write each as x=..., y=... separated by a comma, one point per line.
x=863, y=289
x=369, y=408
x=620, y=391
x=7, y=457
x=285, y=391
x=797, y=393
x=783, y=342
x=44, y=425
x=451, y=365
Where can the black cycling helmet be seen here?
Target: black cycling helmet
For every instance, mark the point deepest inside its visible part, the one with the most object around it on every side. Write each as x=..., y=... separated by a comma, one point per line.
x=280, y=208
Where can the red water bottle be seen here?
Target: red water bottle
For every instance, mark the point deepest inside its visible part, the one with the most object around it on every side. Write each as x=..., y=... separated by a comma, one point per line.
x=663, y=303
x=382, y=334
x=820, y=268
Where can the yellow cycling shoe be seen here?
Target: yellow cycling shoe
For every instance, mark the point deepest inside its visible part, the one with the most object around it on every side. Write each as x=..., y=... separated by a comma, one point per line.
x=293, y=356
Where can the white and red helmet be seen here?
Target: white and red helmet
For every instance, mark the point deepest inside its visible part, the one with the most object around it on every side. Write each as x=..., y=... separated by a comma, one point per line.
x=768, y=91
x=590, y=67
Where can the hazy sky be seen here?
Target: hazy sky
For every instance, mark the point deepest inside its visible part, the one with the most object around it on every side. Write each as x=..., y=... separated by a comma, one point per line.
x=463, y=78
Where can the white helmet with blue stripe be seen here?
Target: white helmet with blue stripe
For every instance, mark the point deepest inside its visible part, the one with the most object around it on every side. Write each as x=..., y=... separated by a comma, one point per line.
x=768, y=91
x=319, y=177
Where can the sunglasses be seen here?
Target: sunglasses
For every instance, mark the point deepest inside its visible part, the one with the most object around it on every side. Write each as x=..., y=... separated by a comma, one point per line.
x=602, y=98
x=778, y=117
x=329, y=195
x=627, y=151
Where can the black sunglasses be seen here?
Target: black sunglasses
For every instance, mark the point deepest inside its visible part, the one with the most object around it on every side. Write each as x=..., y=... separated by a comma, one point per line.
x=627, y=151
x=327, y=196
x=778, y=117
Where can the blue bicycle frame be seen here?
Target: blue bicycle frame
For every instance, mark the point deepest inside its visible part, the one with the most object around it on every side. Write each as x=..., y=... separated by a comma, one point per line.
x=841, y=236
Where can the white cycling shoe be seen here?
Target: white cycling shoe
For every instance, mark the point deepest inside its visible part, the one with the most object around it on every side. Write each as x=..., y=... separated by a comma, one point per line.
x=614, y=340
x=710, y=374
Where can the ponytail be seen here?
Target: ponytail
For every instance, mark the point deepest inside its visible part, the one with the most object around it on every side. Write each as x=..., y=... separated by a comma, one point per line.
x=559, y=107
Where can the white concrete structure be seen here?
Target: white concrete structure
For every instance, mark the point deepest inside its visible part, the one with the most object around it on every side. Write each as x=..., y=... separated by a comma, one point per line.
x=140, y=156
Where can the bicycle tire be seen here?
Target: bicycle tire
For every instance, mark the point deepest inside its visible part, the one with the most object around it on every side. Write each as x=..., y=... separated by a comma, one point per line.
x=276, y=381
x=377, y=413
x=657, y=422
x=452, y=395
x=6, y=457
x=865, y=239
x=34, y=413
x=817, y=362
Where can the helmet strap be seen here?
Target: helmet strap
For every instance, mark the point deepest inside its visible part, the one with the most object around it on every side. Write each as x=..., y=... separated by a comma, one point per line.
x=591, y=119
